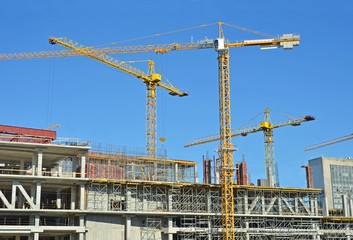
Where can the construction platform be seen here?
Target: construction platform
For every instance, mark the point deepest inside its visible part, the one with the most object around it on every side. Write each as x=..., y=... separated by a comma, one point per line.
x=53, y=191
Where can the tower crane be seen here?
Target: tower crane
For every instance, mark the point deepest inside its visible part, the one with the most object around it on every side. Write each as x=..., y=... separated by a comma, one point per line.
x=267, y=128
x=152, y=81
x=333, y=141
x=286, y=41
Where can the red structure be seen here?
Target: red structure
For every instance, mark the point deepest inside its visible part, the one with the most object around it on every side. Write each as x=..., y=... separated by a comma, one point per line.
x=21, y=134
x=209, y=170
x=242, y=174
x=309, y=176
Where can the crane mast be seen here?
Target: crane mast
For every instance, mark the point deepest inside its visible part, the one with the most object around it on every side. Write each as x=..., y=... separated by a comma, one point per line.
x=270, y=167
x=225, y=147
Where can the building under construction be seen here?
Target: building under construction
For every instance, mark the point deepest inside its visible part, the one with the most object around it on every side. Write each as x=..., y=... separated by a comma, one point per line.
x=53, y=190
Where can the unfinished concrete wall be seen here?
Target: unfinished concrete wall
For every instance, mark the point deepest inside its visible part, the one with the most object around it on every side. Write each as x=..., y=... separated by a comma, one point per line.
x=105, y=227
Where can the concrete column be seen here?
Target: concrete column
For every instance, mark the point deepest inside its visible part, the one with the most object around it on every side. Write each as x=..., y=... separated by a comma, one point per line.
x=34, y=165
x=20, y=199
x=348, y=236
x=170, y=226
x=351, y=206
x=74, y=166
x=13, y=193
x=82, y=196
x=208, y=200
x=195, y=174
x=22, y=168
x=325, y=211
x=346, y=212
x=170, y=200
x=128, y=228
x=316, y=207
x=83, y=165
x=263, y=207
x=312, y=206
x=33, y=192
x=296, y=208
x=36, y=224
x=60, y=169
x=36, y=220
x=73, y=198
x=246, y=203
x=155, y=166
x=128, y=200
x=18, y=237
x=144, y=204
x=82, y=220
x=82, y=224
x=58, y=199
x=247, y=235
x=40, y=162
x=176, y=171
x=38, y=194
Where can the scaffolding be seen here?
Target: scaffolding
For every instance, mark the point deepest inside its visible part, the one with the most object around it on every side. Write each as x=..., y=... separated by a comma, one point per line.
x=120, y=166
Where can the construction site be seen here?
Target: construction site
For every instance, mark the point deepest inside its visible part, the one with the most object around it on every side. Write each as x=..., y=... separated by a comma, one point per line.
x=55, y=188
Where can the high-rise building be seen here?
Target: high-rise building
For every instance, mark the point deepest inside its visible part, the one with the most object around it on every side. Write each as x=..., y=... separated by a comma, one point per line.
x=335, y=177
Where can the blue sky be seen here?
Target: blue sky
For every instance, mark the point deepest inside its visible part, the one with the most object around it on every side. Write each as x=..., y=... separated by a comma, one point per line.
x=94, y=102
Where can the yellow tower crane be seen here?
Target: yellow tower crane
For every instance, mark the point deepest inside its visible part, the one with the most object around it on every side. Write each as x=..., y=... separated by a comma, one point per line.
x=151, y=79
x=286, y=41
x=267, y=128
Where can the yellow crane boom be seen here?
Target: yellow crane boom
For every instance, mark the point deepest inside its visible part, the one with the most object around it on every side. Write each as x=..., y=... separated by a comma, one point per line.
x=267, y=128
x=152, y=80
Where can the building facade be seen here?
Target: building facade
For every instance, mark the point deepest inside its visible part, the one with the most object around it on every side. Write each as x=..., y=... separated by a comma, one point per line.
x=335, y=177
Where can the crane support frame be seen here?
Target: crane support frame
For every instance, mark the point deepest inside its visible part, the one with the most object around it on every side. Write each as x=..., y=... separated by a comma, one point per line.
x=226, y=147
